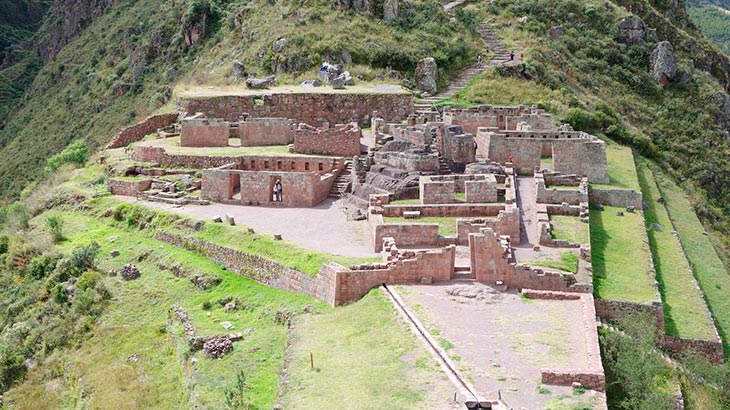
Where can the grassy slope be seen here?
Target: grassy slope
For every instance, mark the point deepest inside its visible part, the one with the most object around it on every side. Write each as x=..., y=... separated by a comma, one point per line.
x=714, y=20
x=621, y=169
x=711, y=274
x=359, y=351
x=685, y=312
x=620, y=256
x=570, y=228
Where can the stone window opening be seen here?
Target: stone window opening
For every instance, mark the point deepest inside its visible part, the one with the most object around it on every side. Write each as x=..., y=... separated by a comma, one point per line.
x=321, y=166
x=306, y=166
x=278, y=165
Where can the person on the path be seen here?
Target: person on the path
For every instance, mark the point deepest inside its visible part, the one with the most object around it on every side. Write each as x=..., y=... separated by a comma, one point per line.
x=522, y=56
x=511, y=56
x=479, y=62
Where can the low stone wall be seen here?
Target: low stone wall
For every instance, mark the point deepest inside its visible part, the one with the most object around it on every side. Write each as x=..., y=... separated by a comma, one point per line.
x=506, y=223
x=342, y=140
x=262, y=270
x=310, y=108
x=615, y=197
x=549, y=295
x=484, y=191
x=435, y=192
x=709, y=349
x=266, y=131
x=548, y=195
x=408, y=161
x=204, y=132
x=616, y=309
x=446, y=210
x=406, y=234
x=589, y=380
x=136, y=132
x=127, y=188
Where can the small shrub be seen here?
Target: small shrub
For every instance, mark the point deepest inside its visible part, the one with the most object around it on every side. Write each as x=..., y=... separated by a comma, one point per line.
x=55, y=227
x=4, y=243
x=42, y=266
x=76, y=153
x=60, y=295
x=207, y=305
x=88, y=280
x=82, y=259
x=18, y=216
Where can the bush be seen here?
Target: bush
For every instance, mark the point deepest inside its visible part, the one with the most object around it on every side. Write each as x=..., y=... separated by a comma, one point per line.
x=88, y=280
x=580, y=120
x=76, y=153
x=4, y=243
x=42, y=266
x=55, y=227
x=18, y=216
x=82, y=259
x=60, y=295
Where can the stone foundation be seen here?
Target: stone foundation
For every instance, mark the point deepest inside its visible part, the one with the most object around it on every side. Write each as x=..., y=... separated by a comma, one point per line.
x=136, y=132
x=265, y=131
x=342, y=140
x=204, y=132
x=127, y=187
x=502, y=118
x=616, y=197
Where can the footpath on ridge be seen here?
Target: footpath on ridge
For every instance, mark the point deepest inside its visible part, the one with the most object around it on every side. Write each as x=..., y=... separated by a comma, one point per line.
x=500, y=57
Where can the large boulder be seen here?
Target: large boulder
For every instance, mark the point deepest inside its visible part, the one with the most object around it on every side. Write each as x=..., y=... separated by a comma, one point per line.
x=338, y=83
x=635, y=31
x=390, y=9
x=261, y=83
x=663, y=63
x=238, y=70
x=426, y=74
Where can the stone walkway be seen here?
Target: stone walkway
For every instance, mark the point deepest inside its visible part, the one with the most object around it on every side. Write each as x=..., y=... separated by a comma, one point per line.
x=324, y=228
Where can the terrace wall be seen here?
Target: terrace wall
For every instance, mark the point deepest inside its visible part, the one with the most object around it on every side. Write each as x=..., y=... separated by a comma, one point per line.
x=311, y=108
x=266, y=131
x=342, y=140
x=136, y=132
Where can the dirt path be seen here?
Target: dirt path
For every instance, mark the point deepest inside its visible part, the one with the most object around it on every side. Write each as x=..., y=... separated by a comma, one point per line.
x=501, y=342
x=323, y=228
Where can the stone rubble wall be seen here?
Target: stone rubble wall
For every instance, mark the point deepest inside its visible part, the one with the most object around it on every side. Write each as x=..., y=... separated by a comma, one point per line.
x=460, y=179
x=709, y=349
x=342, y=140
x=408, y=161
x=589, y=380
x=615, y=197
x=204, y=132
x=266, y=131
x=458, y=150
x=405, y=234
x=616, y=309
x=435, y=192
x=507, y=223
x=481, y=191
x=136, y=132
x=445, y=210
x=127, y=188
x=411, y=134
x=311, y=108
x=501, y=118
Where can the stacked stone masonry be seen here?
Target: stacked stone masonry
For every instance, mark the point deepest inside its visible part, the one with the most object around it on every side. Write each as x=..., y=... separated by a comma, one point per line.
x=341, y=140
x=136, y=132
x=127, y=187
x=311, y=108
x=204, y=132
x=501, y=118
x=265, y=131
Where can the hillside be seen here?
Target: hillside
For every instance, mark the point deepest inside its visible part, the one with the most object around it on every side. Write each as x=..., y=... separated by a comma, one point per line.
x=74, y=333
x=714, y=19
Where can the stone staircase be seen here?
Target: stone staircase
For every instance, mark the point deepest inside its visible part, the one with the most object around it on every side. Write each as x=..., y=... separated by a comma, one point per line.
x=339, y=188
x=463, y=273
x=500, y=56
x=443, y=166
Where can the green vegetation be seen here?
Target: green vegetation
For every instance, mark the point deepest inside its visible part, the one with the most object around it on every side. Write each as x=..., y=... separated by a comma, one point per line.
x=621, y=168
x=709, y=270
x=447, y=225
x=76, y=153
x=172, y=146
x=236, y=237
x=568, y=262
x=406, y=202
x=570, y=228
x=685, y=312
x=620, y=256
x=364, y=360
x=714, y=20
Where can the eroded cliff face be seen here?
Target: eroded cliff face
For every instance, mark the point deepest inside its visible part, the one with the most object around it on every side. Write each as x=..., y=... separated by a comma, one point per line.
x=67, y=19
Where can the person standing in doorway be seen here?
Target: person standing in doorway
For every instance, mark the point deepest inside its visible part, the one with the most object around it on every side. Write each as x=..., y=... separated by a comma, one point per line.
x=277, y=190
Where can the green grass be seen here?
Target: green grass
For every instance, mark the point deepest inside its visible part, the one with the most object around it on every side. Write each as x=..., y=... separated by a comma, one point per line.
x=568, y=262
x=134, y=323
x=461, y=196
x=685, y=312
x=406, y=202
x=620, y=256
x=546, y=163
x=172, y=146
x=621, y=169
x=447, y=225
x=709, y=270
x=363, y=355
x=571, y=229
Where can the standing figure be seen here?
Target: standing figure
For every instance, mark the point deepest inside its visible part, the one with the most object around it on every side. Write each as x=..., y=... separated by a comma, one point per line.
x=277, y=190
x=479, y=62
x=511, y=56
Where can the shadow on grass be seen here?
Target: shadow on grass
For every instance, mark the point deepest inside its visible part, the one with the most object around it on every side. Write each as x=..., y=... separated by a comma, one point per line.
x=599, y=239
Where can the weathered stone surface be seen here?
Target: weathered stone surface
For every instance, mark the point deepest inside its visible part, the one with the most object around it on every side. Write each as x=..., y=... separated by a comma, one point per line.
x=217, y=347
x=345, y=57
x=129, y=272
x=722, y=100
x=663, y=63
x=634, y=30
x=390, y=9
x=338, y=83
x=261, y=83
x=556, y=31
x=279, y=45
x=114, y=253
x=310, y=83
x=238, y=70
x=426, y=74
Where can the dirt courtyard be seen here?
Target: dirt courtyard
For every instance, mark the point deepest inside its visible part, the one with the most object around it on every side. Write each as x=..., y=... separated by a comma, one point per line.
x=502, y=341
x=324, y=228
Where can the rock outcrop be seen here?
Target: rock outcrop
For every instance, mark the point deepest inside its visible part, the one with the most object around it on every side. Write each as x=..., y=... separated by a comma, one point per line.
x=663, y=63
x=261, y=83
x=635, y=31
x=426, y=74
x=390, y=9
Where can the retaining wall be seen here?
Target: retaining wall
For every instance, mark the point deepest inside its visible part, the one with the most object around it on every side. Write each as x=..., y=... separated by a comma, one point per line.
x=127, y=188
x=136, y=132
x=615, y=197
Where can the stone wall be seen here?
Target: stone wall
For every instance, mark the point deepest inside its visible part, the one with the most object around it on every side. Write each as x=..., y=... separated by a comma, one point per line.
x=435, y=192
x=615, y=197
x=709, y=349
x=616, y=309
x=405, y=234
x=506, y=223
x=204, y=132
x=409, y=161
x=414, y=135
x=342, y=140
x=136, y=132
x=547, y=195
x=299, y=189
x=500, y=118
x=446, y=210
x=311, y=108
x=491, y=261
x=589, y=380
x=127, y=187
x=458, y=150
x=572, y=152
x=266, y=131
x=159, y=155
x=484, y=191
